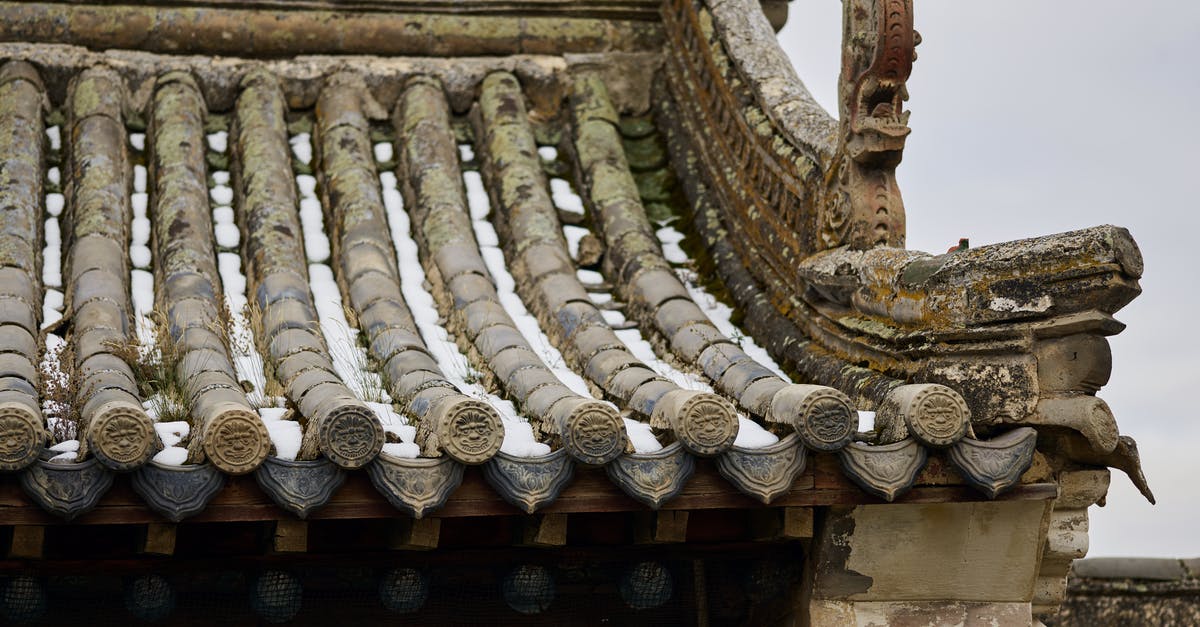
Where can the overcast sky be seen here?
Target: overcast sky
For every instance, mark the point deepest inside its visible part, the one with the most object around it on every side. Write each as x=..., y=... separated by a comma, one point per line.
x=1033, y=117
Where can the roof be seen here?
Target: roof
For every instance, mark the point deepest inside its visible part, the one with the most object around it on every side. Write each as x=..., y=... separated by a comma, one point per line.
x=479, y=282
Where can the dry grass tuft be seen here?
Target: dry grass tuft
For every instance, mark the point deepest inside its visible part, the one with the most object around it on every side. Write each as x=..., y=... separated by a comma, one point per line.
x=59, y=388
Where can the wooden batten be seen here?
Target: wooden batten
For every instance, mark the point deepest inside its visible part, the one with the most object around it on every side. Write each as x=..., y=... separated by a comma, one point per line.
x=157, y=539
x=545, y=530
x=27, y=542
x=291, y=536
x=660, y=527
x=418, y=534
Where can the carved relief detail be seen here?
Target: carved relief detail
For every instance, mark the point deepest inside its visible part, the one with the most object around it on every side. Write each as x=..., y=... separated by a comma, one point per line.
x=177, y=492
x=416, y=486
x=473, y=432
x=653, y=478
x=594, y=434
x=530, y=482
x=299, y=487
x=122, y=437
x=708, y=426
x=995, y=465
x=21, y=437
x=66, y=490
x=764, y=473
x=885, y=470
x=351, y=437
x=237, y=442
x=937, y=416
x=825, y=420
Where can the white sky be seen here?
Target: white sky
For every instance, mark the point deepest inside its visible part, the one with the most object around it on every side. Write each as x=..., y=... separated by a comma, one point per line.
x=1033, y=117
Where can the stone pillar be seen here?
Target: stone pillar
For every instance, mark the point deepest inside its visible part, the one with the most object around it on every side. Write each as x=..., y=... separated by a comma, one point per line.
x=971, y=563
x=1066, y=535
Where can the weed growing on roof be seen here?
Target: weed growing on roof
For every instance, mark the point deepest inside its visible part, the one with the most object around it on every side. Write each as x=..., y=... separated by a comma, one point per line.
x=155, y=367
x=58, y=388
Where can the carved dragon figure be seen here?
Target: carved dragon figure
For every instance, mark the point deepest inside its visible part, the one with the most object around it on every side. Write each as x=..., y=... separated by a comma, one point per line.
x=864, y=207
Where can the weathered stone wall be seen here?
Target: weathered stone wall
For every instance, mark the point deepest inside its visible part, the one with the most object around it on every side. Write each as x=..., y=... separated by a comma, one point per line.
x=1131, y=591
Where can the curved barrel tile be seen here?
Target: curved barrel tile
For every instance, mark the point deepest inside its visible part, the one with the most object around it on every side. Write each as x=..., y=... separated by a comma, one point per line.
x=822, y=416
x=653, y=478
x=530, y=482
x=299, y=487
x=66, y=490
x=417, y=486
x=338, y=425
x=178, y=492
x=933, y=414
x=993, y=466
x=764, y=473
x=22, y=151
x=226, y=429
x=448, y=421
x=885, y=470
x=113, y=425
x=529, y=225
x=590, y=430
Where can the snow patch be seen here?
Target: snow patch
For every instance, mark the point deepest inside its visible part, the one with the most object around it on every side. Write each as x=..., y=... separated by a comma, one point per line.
x=564, y=197
x=285, y=434
x=218, y=141
x=55, y=137
x=1038, y=305
x=641, y=436
x=866, y=421
x=302, y=147
x=138, y=141
x=383, y=151
x=405, y=450
x=751, y=435
x=519, y=441
x=54, y=204
x=221, y=194
x=171, y=433
x=66, y=446
x=574, y=234
x=171, y=456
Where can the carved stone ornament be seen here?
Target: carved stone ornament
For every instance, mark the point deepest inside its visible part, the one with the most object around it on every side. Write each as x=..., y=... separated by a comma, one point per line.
x=653, y=478
x=885, y=470
x=66, y=490
x=594, y=434
x=937, y=416
x=21, y=436
x=351, y=437
x=707, y=424
x=764, y=473
x=122, y=437
x=530, y=482
x=299, y=487
x=995, y=465
x=237, y=442
x=177, y=492
x=933, y=414
x=417, y=486
x=473, y=432
x=822, y=416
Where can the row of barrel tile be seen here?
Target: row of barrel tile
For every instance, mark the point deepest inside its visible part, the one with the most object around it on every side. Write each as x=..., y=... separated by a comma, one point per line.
x=338, y=425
